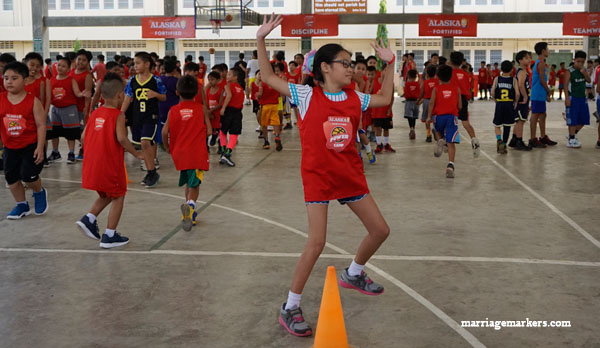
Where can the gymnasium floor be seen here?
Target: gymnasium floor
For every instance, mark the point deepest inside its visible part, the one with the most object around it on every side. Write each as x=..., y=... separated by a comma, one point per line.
x=511, y=237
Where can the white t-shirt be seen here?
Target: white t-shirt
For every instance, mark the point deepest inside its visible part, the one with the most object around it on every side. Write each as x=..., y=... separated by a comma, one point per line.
x=253, y=66
x=302, y=94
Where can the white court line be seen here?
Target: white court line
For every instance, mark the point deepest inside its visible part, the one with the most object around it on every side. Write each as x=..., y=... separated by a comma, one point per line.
x=597, y=164
x=296, y=255
x=546, y=202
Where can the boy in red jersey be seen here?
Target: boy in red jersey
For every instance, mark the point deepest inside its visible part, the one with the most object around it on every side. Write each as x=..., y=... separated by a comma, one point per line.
x=444, y=109
x=35, y=84
x=293, y=76
x=268, y=99
x=552, y=80
x=412, y=91
x=85, y=82
x=214, y=101
x=461, y=79
x=231, y=114
x=561, y=76
x=483, y=78
x=382, y=119
x=187, y=128
x=429, y=84
x=23, y=133
x=106, y=140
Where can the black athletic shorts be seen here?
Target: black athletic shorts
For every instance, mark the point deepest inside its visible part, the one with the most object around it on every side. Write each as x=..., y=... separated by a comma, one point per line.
x=255, y=106
x=522, y=112
x=385, y=123
x=231, y=121
x=19, y=164
x=463, y=113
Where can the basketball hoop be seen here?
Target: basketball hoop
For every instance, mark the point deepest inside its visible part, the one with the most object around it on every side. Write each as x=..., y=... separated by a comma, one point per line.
x=216, y=26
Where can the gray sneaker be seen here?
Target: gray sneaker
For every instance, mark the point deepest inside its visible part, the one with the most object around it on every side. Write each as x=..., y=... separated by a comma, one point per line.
x=439, y=147
x=293, y=321
x=361, y=283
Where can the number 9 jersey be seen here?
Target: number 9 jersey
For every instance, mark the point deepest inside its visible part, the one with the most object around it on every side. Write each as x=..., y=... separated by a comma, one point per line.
x=145, y=110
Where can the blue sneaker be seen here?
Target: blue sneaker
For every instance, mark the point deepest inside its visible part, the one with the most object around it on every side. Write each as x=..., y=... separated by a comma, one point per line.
x=114, y=241
x=194, y=214
x=22, y=209
x=372, y=157
x=89, y=229
x=40, y=204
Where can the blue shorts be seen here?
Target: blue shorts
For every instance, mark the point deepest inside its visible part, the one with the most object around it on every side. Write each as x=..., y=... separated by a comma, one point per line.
x=578, y=114
x=341, y=200
x=146, y=132
x=538, y=107
x=522, y=112
x=447, y=125
x=597, y=104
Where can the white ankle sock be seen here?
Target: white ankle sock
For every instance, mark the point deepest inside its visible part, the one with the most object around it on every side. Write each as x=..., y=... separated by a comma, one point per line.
x=293, y=300
x=110, y=233
x=92, y=217
x=24, y=202
x=386, y=140
x=192, y=203
x=368, y=148
x=355, y=269
x=378, y=139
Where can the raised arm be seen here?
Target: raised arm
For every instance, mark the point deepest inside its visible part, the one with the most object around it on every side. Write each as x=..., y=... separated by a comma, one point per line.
x=266, y=72
x=387, y=86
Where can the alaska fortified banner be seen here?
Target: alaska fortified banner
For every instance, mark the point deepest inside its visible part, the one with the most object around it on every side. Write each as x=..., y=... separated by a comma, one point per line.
x=447, y=25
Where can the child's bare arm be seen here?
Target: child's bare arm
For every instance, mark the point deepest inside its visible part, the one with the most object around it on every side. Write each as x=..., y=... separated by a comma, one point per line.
x=43, y=93
x=77, y=92
x=431, y=104
x=89, y=83
x=493, y=91
x=227, y=99
x=126, y=103
x=209, y=129
x=48, y=98
x=459, y=100
x=40, y=124
x=96, y=97
x=165, y=134
x=517, y=92
x=387, y=86
x=266, y=72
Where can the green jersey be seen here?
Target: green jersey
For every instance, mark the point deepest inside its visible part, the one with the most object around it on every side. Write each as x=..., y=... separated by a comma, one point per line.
x=577, y=83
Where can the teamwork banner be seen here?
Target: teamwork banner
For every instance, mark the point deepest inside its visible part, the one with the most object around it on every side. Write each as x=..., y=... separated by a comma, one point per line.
x=581, y=24
x=309, y=25
x=447, y=25
x=168, y=27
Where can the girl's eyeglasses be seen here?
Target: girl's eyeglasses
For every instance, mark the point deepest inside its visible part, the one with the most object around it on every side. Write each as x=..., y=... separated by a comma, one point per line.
x=344, y=62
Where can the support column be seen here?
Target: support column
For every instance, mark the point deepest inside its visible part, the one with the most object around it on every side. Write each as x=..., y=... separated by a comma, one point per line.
x=170, y=9
x=590, y=43
x=41, y=38
x=447, y=42
x=306, y=7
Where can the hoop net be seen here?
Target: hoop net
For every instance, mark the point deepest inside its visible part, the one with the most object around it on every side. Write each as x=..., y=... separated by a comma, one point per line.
x=216, y=26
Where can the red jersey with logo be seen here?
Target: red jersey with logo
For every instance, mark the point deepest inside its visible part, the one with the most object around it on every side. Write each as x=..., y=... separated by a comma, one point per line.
x=62, y=92
x=80, y=79
x=269, y=96
x=482, y=76
x=495, y=73
x=295, y=79
x=104, y=163
x=35, y=87
x=187, y=134
x=446, y=100
x=412, y=90
x=237, y=96
x=331, y=167
x=428, y=86
x=213, y=100
x=460, y=79
x=17, y=122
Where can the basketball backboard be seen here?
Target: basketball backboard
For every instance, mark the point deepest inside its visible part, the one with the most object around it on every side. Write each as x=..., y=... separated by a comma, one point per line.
x=218, y=14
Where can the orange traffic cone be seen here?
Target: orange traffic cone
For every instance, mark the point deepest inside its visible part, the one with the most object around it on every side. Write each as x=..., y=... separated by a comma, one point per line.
x=331, y=330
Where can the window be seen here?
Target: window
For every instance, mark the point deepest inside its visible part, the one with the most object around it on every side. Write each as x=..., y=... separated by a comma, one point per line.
x=497, y=2
x=79, y=4
x=467, y=54
x=190, y=53
x=277, y=3
x=417, y=2
x=65, y=4
x=109, y=4
x=138, y=3
x=123, y=4
x=95, y=55
x=465, y=2
x=126, y=54
x=110, y=56
x=566, y=2
x=433, y=2
x=480, y=2
x=496, y=56
x=234, y=57
x=7, y=5
x=262, y=3
x=188, y=3
x=219, y=57
x=53, y=55
x=206, y=56
x=52, y=4
x=480, y=56
x=550, y=2
x=579, y=2
x=94, y=4
x=419, y=59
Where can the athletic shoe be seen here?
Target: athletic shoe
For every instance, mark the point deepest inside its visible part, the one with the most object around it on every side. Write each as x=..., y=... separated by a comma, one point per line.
x=186, y=217
x=54, y=156
x=40, y=205
x=112, y=242
x=439, y=147
x=521, y=146
x=388, y=148
x=226, y=159
x=80, y=155
x=258, y=129
x=361, y=283
x=504, y=149
x=412, y=135
x=499, y=146
x=513, y=142
x=143, y=182
x=293, y=321
x=379, y=148
x=574, y=143
x=194, y=216
x=288, y=126
x=475, y=145
x=546, y=140
x=371, y=157
x=220, y=150
x=266, y=146
x=536, y=143
x=45, y=163
x=71, y=158
x=450, y=171
x=428, y=139
x=156, y=164
x=143, y=166
x=89, y=229
x=152, y=179
x=248, y=102
x=20, y=210
x=213, y=140
x=279, y=146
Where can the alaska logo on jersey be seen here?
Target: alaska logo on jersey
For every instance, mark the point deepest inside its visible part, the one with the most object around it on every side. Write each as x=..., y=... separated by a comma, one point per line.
x=15, y=125
x=186, y=114
x=338, y=132
x=58, y=93
x=99, y=124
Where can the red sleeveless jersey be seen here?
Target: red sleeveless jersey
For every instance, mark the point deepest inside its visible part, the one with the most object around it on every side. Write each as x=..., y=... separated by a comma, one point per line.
x=269, y=95
x=460, y=79
x=295, y=79
x=412, y=90
x=213, y=100
x=330, y=167
x=80, y=79
x=62, y=92
x=17, y=122
x=34, y=87
x=187, y=132
x=237, y=96
x=103, y=165
x=428, y=86
x=446, y=100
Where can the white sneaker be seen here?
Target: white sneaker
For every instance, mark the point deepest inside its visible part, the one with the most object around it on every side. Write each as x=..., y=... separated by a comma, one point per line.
x=574, y=143
x=270, y=128
x=439, y=147
x=258, y=129
x=475, y=145
x=156, y=164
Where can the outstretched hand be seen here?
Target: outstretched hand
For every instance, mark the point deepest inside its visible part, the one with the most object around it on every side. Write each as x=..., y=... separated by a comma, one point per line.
x=268, y=25
x=384, y=53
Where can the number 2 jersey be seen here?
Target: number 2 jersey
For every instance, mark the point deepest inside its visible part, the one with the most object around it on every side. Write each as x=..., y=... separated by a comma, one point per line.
x=144, y=109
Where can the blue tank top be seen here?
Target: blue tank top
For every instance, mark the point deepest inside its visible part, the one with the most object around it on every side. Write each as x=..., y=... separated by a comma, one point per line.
x=538, y=93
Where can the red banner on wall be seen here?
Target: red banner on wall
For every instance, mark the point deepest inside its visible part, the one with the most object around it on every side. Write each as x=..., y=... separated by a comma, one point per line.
x=309, y=25
x=581, y=24
x=168, y=27
x=447, y=25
